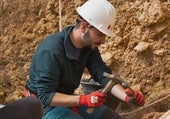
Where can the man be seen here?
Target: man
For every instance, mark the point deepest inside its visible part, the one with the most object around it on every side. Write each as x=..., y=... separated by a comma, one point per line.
x=59, y=62
x=25, y=108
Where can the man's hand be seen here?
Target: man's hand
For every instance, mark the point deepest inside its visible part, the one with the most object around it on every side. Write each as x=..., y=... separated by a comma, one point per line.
x=135, y=97
x=93, y=99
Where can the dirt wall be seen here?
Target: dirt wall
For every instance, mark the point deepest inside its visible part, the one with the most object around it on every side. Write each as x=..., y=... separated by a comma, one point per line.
x=140, y=52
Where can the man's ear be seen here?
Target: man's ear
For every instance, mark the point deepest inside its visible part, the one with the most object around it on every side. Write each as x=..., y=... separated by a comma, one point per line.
x=84, y=27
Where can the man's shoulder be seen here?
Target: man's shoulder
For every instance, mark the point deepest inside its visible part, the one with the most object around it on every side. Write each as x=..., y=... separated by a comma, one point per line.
x=59, y=37
x=53, y=39
x=53, y=43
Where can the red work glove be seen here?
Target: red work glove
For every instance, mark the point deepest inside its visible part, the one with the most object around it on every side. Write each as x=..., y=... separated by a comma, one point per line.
x=135, y=97
x=93, y=99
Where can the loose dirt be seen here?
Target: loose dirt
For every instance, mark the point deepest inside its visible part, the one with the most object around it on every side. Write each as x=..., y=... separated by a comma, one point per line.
x=139, y=53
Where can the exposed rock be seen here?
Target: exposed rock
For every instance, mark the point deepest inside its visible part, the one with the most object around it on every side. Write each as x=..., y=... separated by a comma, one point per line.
x=141, y=47
x=142, y=26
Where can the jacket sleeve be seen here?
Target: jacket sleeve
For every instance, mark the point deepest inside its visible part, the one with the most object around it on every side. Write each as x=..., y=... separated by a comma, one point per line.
x=96, y=67
x=47, y=72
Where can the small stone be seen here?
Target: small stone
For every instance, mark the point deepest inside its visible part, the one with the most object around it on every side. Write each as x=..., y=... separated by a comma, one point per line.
x=107, y=57
x=159, y=52
x=136, y=87
x=141, y=47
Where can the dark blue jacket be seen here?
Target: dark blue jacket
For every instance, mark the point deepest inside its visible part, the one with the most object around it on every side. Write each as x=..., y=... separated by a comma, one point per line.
x=55, y=68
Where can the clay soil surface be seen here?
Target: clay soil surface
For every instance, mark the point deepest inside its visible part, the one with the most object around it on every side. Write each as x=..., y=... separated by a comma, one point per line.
x=139, y=53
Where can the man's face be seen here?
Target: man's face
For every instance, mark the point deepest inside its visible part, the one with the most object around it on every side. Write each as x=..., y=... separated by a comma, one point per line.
x=93, y=38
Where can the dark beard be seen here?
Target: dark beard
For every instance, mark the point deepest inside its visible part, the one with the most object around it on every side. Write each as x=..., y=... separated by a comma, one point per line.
x=87, y=39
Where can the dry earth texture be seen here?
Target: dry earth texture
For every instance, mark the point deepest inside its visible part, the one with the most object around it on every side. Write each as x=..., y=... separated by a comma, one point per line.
x=140, y=52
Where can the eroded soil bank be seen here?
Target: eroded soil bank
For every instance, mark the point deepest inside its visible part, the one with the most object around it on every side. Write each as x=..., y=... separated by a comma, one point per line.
x=140, y=52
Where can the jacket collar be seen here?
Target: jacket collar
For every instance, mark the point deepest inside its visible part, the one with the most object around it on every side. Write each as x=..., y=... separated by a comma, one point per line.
x=67, y=43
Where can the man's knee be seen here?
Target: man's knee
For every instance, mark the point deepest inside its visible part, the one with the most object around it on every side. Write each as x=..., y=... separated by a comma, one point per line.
x=32, y=104
x=32, y=101
x=33, y=107
x=25, y=108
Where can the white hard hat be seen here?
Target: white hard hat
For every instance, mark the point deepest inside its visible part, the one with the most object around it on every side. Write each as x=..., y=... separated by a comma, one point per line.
x=100, y=14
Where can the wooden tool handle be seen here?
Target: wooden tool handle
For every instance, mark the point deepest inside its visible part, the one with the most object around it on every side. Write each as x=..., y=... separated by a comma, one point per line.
x=105, y=90
x=108, y=87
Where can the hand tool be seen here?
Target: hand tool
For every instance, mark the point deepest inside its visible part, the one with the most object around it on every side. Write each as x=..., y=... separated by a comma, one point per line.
x=108, y=87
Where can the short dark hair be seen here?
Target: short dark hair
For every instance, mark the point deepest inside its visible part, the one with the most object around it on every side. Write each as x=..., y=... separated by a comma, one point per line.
x=79, y=20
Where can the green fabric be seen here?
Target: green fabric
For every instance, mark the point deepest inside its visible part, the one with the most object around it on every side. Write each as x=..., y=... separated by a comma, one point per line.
x=54, y=67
